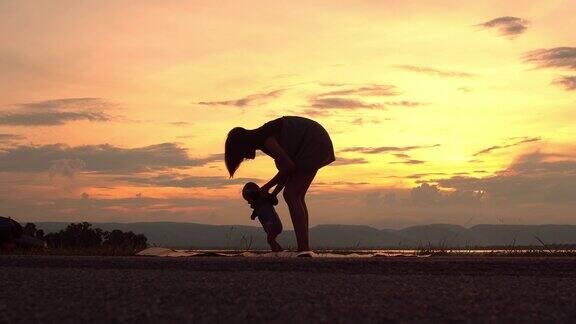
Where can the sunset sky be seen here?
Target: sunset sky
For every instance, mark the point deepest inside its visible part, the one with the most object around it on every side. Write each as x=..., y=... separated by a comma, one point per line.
x=456, y=112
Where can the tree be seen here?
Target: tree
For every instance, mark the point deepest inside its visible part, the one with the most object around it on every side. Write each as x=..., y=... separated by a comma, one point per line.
x=117, y=238
x=76, y=235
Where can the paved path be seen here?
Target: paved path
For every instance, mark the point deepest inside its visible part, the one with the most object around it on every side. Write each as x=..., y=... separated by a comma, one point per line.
x=220, y=289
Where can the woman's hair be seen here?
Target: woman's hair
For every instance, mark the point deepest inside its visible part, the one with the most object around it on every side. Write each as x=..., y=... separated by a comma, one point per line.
x=237, y=145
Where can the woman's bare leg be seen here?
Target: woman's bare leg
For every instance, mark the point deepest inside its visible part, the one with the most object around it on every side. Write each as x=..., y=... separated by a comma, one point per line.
x=294, y=194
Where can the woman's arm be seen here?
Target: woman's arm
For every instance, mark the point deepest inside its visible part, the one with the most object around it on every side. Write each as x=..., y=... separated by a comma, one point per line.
x=279, y=181
x=280, y=185
x=273, y=182
x=283, y=161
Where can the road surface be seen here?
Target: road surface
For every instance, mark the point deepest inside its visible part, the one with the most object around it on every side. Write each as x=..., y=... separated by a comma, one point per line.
x=236, y=289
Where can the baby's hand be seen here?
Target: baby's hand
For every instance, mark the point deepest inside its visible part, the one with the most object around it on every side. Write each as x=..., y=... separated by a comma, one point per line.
x=272, y=199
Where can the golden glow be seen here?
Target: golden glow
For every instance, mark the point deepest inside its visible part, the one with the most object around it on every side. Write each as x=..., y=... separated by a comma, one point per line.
x=155, y=61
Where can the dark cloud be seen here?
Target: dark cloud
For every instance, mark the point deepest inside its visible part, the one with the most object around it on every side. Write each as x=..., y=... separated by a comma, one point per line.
x=68, y=103
x=50, y=118
x=361, y=121
x=558, y=57
x=57, y=112
x=250, y=100
x=409, y=161
x=434, y=71
x=342, y=103
x=532, y=178
x=186, y=181
x=366, y=90
x=10, y=137
x=426, y=194
x=386, y=149
x=103, y=158
x=566, y=82
x=429, y=195
x=345, y=98
x=180, y=123
x=66, y=168
x=507, y=26
x=315, y=112
x=421, y=175
x=523, y=140
x=348, y=161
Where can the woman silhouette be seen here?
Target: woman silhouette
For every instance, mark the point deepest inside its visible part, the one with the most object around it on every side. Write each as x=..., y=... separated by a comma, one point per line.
x=299, y=147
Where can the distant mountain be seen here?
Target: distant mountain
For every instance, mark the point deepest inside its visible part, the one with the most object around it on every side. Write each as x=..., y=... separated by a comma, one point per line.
x=202, y=236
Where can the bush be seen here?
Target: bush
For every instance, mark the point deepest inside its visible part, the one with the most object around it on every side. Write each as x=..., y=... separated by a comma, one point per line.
x=81, y=236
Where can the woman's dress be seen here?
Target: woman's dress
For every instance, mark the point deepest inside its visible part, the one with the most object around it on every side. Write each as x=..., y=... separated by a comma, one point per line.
x=304, y=140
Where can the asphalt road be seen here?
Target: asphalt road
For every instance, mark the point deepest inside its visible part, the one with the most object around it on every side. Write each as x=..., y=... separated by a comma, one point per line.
x=221, y=289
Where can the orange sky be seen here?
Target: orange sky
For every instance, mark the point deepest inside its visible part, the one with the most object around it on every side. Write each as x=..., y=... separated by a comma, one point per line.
x=440, y=111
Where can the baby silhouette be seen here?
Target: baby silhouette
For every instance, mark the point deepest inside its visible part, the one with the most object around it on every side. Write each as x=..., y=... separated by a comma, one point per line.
x=263, y=205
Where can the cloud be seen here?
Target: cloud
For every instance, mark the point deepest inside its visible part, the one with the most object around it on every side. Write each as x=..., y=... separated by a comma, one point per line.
x=361, y=121
x=120, y=209
x=404, y=103
x=409, y=161
x=385, y=149
x=426, y=194
x=344, y=99
x=342, y=103
x=531, y=178
x=180, y=123
x=421, y=175
x=186, y=181
x=566, y=82
x=50, y=118
x=10, y=137
x=57, y=112
x=104, y=158
x=348, y=161
x=66, y=168
x=315, y=112
x=250, y=100
x=434, y=71
x=557, y=57
x=367, y=90
x=68, y=103
x=507, y=26
x=523, y=140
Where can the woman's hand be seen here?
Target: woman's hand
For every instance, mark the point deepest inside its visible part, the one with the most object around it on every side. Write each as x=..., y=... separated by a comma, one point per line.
x=266, y=188
x=279, y=180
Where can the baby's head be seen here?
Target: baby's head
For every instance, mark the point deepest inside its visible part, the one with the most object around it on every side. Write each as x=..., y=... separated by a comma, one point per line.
x=250, y=191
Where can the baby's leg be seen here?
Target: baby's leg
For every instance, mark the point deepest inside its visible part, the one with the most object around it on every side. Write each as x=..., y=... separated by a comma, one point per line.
x=272, y=234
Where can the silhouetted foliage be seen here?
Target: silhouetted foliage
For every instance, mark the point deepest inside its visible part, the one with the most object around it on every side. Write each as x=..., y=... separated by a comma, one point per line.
x=76, y=235
x=117, y=238
x=30, y=229
x=84, y=236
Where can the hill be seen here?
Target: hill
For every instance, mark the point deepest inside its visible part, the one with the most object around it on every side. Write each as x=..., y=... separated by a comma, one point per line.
x=202, y=236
